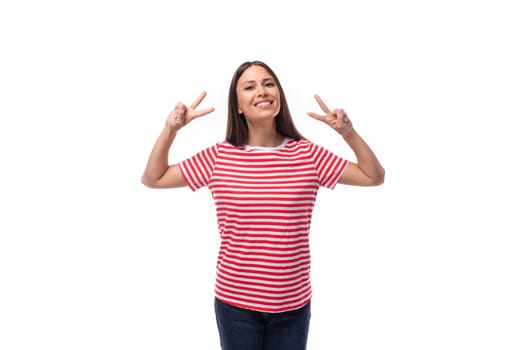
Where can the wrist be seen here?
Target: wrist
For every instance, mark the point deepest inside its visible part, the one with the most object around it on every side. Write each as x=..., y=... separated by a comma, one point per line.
x=350, y=134
x=170, y=130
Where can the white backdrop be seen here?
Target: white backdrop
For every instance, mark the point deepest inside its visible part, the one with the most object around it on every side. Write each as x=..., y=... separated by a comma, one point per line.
x=91, y=259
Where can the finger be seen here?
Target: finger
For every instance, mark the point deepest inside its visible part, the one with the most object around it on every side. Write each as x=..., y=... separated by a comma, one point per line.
x=177, y=105
x=202, y=112
x=180, y=110
x=198, y=100
x=321, y=104
x=176, y=110
x=342, y=116
x=316, y=116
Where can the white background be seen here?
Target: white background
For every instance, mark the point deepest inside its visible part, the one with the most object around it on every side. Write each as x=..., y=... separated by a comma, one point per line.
x=92, y=259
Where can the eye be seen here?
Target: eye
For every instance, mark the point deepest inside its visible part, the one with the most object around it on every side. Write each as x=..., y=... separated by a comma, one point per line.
x=270, y=84
x=249, y=87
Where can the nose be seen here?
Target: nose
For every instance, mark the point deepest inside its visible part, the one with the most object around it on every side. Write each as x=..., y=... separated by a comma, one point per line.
x=261, y=90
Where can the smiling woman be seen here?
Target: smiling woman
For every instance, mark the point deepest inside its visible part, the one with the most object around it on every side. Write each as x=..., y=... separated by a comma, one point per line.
x=255, y=100
x=264, y=180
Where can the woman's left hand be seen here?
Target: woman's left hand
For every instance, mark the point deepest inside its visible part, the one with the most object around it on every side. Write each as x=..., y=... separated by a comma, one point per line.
x=336, y=119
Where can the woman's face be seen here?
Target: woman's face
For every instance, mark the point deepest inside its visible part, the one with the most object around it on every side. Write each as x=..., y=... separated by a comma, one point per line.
x=258, y=94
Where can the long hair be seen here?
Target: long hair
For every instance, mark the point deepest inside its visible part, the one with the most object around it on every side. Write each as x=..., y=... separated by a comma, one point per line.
x=237, y=128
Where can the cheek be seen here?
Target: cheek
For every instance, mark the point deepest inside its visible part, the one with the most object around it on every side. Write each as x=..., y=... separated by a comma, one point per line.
x=278, y=98
x=242, y=98
x=243, y=102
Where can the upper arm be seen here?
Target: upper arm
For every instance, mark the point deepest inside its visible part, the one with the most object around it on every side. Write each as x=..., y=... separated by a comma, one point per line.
x=353, y=175
x=172, y=178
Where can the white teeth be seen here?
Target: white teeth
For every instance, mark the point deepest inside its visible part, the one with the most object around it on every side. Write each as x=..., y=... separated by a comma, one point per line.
x=262, y=104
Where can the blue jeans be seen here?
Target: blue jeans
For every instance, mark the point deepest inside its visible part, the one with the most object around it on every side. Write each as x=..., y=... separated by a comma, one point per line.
x=242, y=329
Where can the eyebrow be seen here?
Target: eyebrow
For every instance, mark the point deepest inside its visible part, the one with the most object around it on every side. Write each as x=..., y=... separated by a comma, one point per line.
x=253, y=81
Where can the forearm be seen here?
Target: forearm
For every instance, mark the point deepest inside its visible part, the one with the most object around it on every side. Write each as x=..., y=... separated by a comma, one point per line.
x=157, y=164
x=366, y=159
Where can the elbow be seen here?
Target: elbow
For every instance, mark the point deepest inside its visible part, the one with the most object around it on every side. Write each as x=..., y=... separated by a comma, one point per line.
x=378, y=179
x=381, y=178
x=147, y=182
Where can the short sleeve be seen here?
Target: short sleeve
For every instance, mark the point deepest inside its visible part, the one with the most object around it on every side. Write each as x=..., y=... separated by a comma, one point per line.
x=329, y=166
x=197, y=170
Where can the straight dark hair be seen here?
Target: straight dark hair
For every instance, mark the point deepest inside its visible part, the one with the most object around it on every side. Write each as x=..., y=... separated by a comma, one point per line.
x=237, y=128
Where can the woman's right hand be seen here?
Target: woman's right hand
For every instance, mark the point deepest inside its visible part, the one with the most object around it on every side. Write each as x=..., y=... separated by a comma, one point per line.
x=182, y=114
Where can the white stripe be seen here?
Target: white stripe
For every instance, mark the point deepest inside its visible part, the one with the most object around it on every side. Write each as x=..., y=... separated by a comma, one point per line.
x=304, y=261
x=244, y=232
x=277, y=281
x=246, y=217
x=281, y=270
x=305, y=254
x=261, y=245
x=259, y=253
x=241, y=286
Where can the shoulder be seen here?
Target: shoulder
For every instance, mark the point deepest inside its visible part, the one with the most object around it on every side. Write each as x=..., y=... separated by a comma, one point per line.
x=302, y=143
x=224, y=144
x=220, y=145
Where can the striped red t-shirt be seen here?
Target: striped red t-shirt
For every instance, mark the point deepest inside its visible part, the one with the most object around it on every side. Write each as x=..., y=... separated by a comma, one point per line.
x=264, y=199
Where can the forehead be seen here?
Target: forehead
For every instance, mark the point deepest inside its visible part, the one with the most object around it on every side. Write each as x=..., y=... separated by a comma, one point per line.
x=254, y=73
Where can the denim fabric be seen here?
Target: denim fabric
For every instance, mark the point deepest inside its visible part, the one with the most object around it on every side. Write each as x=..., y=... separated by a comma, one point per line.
x=242, y=329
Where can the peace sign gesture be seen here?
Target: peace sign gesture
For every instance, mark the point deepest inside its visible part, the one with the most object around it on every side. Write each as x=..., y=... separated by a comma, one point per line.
x=182, y=114
x=337, y=118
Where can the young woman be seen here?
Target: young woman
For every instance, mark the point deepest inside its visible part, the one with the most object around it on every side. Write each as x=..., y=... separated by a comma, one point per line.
x=264, y=179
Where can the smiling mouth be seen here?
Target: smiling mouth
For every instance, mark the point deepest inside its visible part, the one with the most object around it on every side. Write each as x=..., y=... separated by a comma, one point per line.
x=263, y=104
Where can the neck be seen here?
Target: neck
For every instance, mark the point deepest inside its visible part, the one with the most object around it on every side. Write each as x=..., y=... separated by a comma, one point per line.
x=264, y=136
